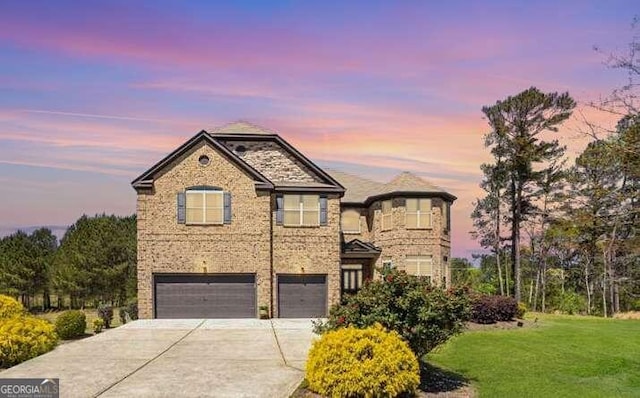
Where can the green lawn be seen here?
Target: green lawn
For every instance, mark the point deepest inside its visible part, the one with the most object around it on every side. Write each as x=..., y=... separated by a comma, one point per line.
x=559, y=356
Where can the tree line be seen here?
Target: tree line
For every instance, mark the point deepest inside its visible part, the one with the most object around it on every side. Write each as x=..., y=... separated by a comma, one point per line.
x=94, y=262
x=560, y=234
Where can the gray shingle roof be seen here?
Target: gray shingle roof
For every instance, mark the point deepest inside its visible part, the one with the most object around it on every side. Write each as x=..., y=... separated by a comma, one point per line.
x=407, y=181
x=240, y=127
x=360, y=190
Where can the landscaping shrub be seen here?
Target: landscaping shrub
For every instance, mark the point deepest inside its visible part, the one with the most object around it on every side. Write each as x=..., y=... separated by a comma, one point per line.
x=25, y=337
x=105, y=312
x=506, y=308
x=10, y=307
x=487, y=309
x=522, y=309
x=98, y=325
x=132, y=310
x=369, y=362
x=422, y=314
x=128, y=312
x=71, y=324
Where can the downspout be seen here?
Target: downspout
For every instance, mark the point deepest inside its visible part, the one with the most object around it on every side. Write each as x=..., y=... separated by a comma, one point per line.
x=271, y=280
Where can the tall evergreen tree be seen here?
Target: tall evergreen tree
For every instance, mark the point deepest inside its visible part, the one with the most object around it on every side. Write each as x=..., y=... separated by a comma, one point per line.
x=517, y=125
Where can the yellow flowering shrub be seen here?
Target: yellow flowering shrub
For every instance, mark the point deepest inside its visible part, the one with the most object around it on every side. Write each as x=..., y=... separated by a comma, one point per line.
x=25, y=337
x=369, y=362
x=10, y=307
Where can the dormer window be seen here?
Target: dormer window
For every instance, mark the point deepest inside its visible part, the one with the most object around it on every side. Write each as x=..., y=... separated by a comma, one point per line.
x=418, y=213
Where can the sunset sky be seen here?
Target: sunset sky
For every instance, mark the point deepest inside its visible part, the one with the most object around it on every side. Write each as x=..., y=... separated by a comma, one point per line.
x=93, y=93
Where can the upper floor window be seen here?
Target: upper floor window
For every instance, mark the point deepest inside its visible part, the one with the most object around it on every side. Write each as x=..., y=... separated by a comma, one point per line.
x=419, y=266
x=350, y=221
x=301, y=210
x=387, y=219
x=418, y=213
x=204, y=207
x=446, y=216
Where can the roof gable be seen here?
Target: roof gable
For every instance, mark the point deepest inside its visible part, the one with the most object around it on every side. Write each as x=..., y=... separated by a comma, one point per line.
x=357, y=248
x=238, y=133
x=145, y=180
x=248, y=132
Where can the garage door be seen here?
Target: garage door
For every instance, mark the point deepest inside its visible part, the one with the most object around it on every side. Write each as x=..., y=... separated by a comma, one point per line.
x=302, y=296
x=205, y=296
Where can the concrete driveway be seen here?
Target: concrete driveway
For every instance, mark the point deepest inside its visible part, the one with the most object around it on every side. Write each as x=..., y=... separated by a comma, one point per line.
x=180, y=358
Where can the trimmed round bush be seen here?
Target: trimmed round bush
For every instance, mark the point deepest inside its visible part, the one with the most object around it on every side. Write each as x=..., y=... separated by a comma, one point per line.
x=23, y=338
x=71, y=324
x=10, y=307
x=352, y=362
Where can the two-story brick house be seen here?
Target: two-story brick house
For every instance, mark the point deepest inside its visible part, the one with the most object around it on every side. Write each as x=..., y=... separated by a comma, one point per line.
x=237, y=219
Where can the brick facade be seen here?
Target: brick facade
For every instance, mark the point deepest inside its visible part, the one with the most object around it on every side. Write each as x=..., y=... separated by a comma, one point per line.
x=253, y=242
x=164, y=246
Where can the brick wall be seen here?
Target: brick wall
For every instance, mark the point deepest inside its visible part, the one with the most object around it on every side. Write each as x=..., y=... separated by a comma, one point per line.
x=399, y=242
x=310, y=250
x=166, y=246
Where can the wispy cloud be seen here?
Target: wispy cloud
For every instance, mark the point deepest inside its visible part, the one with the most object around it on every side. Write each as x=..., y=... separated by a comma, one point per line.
x=92, y=116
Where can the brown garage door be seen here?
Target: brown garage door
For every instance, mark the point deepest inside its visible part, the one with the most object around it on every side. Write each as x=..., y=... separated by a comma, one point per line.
x=205, y=296
x=302, y=296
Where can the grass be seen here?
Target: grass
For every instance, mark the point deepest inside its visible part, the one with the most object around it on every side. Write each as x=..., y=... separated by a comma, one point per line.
x=90, y=313
x=559, y=356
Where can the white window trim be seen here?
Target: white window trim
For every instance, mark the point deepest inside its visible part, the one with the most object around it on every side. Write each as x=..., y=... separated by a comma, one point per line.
x=419, y=214
x=301, y=211
x=204, y=193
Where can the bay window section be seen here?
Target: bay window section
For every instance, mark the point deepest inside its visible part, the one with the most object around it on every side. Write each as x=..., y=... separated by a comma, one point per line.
x=418, y=213
x=387, y=214
x=419, y=266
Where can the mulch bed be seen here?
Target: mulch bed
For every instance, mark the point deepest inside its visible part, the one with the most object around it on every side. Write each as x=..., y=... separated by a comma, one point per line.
x=503, y=325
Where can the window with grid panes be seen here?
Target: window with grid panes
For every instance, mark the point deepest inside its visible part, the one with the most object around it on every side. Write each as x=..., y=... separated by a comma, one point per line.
x=301, y=210
x=419, y=266
x=418, y=213
x=204, y=207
